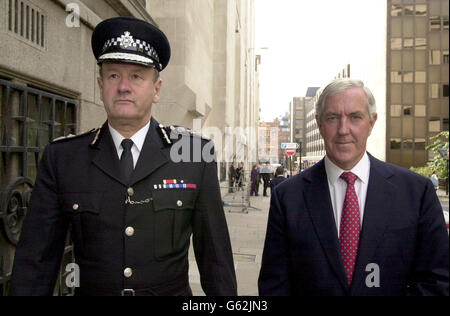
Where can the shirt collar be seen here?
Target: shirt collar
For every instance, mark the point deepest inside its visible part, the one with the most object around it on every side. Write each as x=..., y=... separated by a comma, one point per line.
x=362, y=169
x=138, y=138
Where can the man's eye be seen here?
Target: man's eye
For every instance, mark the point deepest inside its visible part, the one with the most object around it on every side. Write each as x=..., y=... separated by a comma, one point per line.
x=136, y=76
x=113, y=76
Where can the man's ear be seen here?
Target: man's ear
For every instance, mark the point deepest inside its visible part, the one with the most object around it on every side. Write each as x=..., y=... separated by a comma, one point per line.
x=372, y=123
x=318, y=121
x=100, y=85
x=158, y=86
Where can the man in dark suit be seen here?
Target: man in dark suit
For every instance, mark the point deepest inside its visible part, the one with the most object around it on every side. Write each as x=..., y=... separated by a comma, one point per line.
x=131, y=202
x=277, y=179
x=265, y=174
x=351, y=224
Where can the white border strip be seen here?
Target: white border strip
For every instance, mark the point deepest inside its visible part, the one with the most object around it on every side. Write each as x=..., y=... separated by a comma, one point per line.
x=131, y=57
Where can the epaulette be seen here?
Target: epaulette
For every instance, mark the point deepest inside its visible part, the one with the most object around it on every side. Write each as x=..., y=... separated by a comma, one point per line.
x=173, y=132
x=181, y=130
x=71, y=136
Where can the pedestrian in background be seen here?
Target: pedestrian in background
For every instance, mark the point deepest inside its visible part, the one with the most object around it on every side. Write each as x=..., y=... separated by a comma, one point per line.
x=266, y=174
x=232, y=176
x=435, y=180
x=240, y=173
x=254, y=178
x=277, y=179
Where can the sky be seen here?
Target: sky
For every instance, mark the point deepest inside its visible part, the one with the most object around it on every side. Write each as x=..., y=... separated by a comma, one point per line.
x=307, y=43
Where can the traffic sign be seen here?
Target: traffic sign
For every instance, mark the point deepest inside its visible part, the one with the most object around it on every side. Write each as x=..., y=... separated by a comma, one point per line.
x=289, y=146
x=290, y=151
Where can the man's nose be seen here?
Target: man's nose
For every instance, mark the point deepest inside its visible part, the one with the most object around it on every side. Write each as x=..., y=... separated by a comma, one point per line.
x=124, y=85
x=344, y=127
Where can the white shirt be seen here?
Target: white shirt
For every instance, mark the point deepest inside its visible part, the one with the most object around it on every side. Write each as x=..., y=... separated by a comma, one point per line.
x=138, y=141
x=338, y=186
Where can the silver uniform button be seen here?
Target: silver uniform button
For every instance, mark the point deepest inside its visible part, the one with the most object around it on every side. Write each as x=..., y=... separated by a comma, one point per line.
x=129, y=231
x=180, y=204
x=128, y=272
x=130, y=191
x=75, y=207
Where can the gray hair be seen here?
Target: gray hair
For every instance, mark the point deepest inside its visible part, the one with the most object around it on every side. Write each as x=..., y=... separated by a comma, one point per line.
x=340, y=85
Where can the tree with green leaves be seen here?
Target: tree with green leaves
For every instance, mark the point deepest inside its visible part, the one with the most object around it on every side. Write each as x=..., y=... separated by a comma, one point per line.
x=438, y=163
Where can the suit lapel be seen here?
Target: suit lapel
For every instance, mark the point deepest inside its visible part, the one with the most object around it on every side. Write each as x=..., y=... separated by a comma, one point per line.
x=376, y=218
x=317, y=197
x=153, y=155
x=106, y=158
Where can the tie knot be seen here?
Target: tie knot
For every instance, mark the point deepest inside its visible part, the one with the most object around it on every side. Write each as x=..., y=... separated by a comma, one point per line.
x=127, y=144
x=349, y=177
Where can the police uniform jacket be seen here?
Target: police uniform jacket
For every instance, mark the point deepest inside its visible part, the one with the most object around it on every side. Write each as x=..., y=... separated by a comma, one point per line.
x=127, y=235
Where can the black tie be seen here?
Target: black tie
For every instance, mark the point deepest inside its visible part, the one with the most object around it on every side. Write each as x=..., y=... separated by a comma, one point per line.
x=126, y=160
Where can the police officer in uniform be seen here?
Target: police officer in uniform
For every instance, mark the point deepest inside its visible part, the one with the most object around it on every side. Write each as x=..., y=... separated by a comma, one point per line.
x=132, y=208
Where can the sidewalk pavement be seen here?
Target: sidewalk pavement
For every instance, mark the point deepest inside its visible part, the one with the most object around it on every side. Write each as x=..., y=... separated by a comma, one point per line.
x=247, y=234
x=442, y=195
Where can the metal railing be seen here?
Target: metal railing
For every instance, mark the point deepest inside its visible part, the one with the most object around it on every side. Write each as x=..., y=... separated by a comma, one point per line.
x=238, y=196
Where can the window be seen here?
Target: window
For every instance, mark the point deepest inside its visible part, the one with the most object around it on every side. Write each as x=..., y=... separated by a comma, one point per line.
x=26, y=21
x=395, y=143
x=396, y=10
x=408, y=43
x=409, y=10
x=435, y=23
x=445, y=23
x=434, y=125
x=407, y=110
x=420, y=111
x=419, y=144
x=299, y=122
x=445, y=124
x=396, y=76
x=445, y=90
x=396, y=43
x=45, y=117
x=434, y=90
x=421, y=10
x=408, y=144
x=421, y=43
x=396, y=110
x=445, y=57
x=421, y=76
x=408, y=76
x=435, y=57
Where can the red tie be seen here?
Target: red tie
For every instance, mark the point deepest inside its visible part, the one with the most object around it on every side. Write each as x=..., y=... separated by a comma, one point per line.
x=350, y=226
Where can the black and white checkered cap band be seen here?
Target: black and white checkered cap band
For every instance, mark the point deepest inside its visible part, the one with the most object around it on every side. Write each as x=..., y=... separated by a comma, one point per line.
x=128, y=43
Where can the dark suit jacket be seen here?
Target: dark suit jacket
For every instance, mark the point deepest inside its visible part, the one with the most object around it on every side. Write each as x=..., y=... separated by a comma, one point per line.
x=403, y=232
x=84, y=171
x=276, y=181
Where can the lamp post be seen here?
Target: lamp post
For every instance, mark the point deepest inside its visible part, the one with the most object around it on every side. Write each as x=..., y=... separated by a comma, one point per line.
x=444, y=154
x=300, y=165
